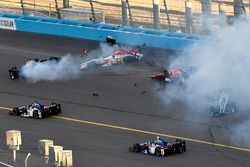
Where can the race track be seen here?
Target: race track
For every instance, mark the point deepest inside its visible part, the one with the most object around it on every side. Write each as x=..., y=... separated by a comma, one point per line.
x=99, y=129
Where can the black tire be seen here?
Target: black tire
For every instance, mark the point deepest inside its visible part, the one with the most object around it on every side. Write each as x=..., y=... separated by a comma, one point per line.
x=15, y=111
x=184, y=146
x=137, y=148
x=158, y=151
x=180, y=150
x=35, y=114
x=59, y=108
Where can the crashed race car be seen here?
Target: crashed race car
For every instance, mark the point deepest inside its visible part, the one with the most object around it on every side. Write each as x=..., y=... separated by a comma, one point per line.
x=169, y=76
x=117, y=57
x=36, y=110
x=159, y=147
x=14, y=72
x=222, y=105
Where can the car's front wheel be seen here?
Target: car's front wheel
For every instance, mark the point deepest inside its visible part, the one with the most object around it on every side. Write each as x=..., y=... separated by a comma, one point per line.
x=158, y=151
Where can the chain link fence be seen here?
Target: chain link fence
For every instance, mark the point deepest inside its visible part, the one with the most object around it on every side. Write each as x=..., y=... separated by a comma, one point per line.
x=167, y=14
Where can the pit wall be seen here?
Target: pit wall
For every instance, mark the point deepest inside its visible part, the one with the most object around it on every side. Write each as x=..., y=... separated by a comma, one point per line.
x=122, y=34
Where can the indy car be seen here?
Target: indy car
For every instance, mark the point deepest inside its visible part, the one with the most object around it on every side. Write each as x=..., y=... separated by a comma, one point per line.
x=169, y=76
x=222, y=105
x=14, y=72
x=117, y=57
x=36, y=110
x=159, y=147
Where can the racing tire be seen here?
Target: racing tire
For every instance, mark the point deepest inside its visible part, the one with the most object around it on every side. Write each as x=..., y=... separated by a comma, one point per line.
x=59, y=108
x=184, y=146
x=137, y=148
x=15, y=111
x=180, y=150
x=158, y=151
x=36, y=114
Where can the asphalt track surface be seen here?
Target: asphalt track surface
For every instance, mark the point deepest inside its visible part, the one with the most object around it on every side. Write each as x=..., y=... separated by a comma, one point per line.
x=100, y=129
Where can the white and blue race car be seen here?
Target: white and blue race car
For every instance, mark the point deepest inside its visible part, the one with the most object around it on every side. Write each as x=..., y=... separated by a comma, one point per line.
x=36, y=110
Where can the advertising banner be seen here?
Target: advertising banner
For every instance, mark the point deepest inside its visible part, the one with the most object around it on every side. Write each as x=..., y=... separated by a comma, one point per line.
x=7, y=23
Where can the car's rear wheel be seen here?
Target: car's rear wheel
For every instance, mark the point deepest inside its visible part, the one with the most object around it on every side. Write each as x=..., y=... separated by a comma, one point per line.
x=158, y=151
x=136, y=148
x=36, y=114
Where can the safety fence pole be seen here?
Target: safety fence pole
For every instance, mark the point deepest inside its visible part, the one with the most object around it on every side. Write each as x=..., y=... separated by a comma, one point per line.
x=125, y=20
x=22, y=6
x=65, y=3
x=156, y=14
x=166, y=11
x=92, y=11
x=188, y=14
x=58, y=10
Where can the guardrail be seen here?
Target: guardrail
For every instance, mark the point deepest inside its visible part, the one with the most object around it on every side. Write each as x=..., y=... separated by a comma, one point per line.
x=122, y=34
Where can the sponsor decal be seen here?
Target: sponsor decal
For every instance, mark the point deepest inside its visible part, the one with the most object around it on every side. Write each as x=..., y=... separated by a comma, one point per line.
x=7, y=23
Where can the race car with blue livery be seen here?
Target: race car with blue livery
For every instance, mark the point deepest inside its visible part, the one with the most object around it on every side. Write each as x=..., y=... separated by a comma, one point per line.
x=36, y=110
x=159, y=147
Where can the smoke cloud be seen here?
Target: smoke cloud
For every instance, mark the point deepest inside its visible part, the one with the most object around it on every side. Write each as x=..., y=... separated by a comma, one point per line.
x=222, y=63
x=66, y=68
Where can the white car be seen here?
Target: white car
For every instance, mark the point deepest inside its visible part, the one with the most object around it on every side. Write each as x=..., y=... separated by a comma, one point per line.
x=117, y=57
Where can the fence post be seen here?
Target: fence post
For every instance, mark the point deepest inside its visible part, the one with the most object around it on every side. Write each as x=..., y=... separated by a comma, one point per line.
x=130, y=14
x=156, y=14
x=57, y=10
x=188, y=14
x=22, y=6
x=168, y=18
x=222, y=14
x=65, y=3
x=239, y=8
x=92, y=11
x=206, y=15
x=125, y=16
x=206, y=7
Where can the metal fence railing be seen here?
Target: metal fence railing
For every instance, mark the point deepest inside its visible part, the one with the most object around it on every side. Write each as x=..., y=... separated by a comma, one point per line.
x=172, y=13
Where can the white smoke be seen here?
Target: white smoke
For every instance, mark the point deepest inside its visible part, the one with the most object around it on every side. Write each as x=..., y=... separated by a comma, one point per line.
x=68, y=67
x=222, y=62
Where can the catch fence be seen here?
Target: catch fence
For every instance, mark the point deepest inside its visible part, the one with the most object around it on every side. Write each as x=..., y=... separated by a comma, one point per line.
x=172, y=14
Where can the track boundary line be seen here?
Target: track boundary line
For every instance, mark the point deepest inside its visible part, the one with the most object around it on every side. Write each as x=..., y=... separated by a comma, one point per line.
x=146, y=132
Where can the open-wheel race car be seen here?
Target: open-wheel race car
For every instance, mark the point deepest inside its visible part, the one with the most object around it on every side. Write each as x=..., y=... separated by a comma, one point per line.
x=174, y=76
x=117, y=57
x=14, y=72
x=36, y=110
x=159, y=147
x=223, y=105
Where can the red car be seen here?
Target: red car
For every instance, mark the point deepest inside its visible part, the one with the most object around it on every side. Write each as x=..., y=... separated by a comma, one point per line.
x=173, y=75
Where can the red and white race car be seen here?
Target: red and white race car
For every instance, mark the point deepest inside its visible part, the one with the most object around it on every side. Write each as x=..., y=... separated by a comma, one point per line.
x=173, y=75
x=117, y=57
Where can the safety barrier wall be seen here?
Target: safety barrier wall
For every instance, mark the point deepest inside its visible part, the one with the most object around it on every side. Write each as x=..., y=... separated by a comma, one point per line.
x=122, y=34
